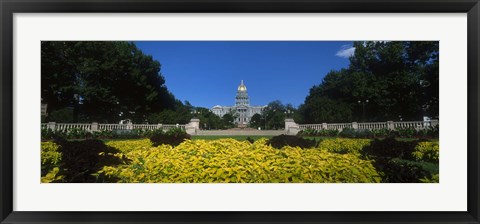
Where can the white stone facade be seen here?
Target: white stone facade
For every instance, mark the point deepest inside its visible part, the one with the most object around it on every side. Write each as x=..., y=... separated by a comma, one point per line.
x=242, y=110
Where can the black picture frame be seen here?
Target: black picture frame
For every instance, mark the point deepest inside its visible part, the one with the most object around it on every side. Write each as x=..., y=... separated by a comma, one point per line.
x=9, y=7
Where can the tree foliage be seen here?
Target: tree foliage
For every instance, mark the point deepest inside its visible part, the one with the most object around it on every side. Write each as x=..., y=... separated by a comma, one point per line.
x=273, y=116
x=256, y=121
x=102, y=81
x=399, y=79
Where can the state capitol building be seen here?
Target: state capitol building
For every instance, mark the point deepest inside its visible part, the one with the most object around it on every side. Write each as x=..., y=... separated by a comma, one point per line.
x=242, y=110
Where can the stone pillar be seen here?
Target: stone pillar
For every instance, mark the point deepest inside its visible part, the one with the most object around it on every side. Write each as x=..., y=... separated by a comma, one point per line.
x=324, y=126
x=434, y=123
x=51, y=125
x=192, y=127
x=159, y=126
x=390, y=125
x=354, y=125
x=94, y=127
x=129, y=126
x=291, y=128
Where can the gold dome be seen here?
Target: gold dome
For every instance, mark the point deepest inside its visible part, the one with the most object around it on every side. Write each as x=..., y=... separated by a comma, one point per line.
x=242, y=87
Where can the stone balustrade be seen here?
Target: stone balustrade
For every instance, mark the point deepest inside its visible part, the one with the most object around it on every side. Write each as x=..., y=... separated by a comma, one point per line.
x=339, y=126
x=292, y=128
x=92, y=127
x=68, y=126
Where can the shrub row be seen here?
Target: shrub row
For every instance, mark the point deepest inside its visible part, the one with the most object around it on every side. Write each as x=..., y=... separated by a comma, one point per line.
x=76, y=133
x=430, y=132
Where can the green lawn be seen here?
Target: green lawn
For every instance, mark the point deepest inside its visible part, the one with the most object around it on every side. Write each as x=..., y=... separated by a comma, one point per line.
x=236, y=137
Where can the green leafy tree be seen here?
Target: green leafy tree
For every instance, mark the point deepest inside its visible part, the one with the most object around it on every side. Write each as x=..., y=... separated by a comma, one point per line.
x=102, y=81
x=228, y=120
x=274, y=115
x=256, y=121
x=208, y=120
x=399, y=79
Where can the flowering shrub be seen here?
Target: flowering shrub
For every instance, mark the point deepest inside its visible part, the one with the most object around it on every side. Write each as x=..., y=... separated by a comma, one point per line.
x=434, y=179
x=228, y=160
x=130, y=145
x=426, y=151
x=51, y=157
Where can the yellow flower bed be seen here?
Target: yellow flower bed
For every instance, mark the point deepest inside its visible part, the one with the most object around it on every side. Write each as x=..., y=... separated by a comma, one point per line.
x=229, y=160
x=427, y=151
x=130, y=145
x=344, y=145
x=51, y=159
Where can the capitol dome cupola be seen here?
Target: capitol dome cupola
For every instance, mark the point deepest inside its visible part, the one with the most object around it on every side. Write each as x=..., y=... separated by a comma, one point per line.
x=242, y=87
x=242, y=95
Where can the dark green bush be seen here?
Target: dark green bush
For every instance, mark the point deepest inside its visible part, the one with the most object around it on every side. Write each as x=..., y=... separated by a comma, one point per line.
x=390, y=148
x=249, y=139
x=312, y=132
x=382, y=133
x=288, y=140
x=328, y=133
x=143, y=133
x=405, y=171
x=359, y=133
x=429, y=132
x=49, y=134
x=406, y=132
x=395, y=159
x=172, y=137
x=308, y=132
x=103, y=134
x=81, y=159
x=75, y=133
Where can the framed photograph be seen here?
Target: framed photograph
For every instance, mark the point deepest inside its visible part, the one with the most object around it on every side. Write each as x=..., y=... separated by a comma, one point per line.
x=239, y=111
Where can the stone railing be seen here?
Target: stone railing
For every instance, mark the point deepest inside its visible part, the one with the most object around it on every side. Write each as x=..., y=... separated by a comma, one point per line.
x=67, y=126
x=413, y=124
x=147, y=126
x=373, y=125
x=190, y=128
x=338, y=126
x=292, y=128
x=111, y=127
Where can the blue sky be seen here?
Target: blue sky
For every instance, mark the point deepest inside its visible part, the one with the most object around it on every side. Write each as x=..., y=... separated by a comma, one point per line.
x=207, y=73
